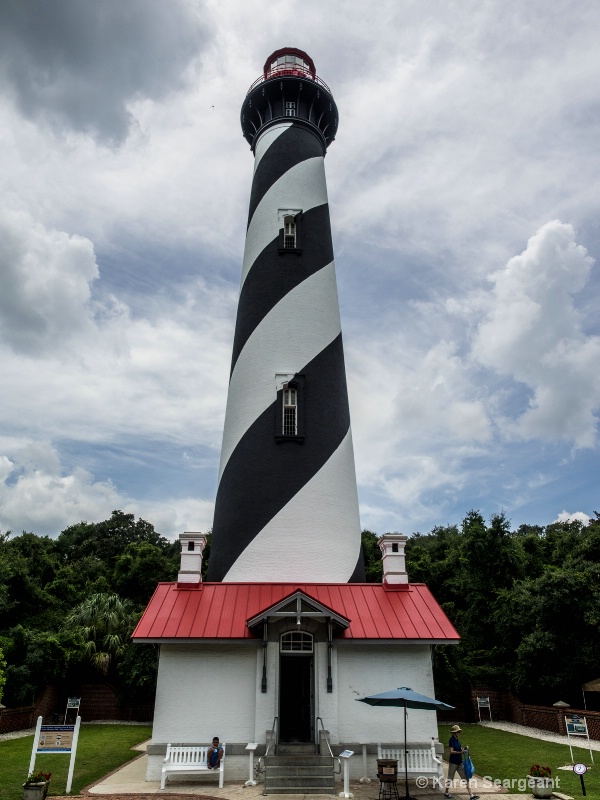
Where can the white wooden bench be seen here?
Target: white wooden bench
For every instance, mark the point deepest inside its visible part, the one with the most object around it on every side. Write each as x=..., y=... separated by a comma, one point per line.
x=422, y=761
x=190, y=760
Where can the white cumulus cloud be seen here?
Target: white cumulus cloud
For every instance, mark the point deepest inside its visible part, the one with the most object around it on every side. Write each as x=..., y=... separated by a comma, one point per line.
x=577, y=516
x=45, y=284
x=533, y=332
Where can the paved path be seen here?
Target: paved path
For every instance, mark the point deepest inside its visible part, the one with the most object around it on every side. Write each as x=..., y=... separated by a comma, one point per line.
x=131, y=780
x=544, y=736
x=17, y=734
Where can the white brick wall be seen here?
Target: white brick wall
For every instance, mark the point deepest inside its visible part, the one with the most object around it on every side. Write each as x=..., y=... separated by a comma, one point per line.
x=326, y=704
x=364, y=670
x=205, y=691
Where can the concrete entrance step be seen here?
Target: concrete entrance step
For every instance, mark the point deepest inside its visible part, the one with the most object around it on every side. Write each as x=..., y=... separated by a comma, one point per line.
x=299, y=774
x=287, y=748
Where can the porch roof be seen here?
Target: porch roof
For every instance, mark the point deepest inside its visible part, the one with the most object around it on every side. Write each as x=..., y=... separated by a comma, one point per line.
x=221, y=611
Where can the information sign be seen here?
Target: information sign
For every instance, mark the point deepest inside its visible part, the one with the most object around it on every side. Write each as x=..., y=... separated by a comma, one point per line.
x=577, y=726
x=57, y=739
x=346, y=755
x=484, y=702
x=72, y=702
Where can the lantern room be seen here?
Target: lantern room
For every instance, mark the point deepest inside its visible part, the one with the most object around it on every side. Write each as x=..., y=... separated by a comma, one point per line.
x=289, y=90
x=289, y=61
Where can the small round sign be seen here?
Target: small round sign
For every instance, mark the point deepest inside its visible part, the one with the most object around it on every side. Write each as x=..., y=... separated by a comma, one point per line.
x=579, y=769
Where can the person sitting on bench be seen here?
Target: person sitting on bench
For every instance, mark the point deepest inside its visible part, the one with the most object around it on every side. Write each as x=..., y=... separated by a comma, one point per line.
x=214, y=755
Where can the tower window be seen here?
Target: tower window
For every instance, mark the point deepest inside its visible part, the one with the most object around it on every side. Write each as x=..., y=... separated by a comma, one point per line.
x=289, y=408
x=290, y=109
x=289, y=232
x=290, y=411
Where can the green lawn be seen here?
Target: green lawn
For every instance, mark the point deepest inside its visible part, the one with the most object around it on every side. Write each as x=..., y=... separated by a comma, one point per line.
x=101, y=749
x=508, y=756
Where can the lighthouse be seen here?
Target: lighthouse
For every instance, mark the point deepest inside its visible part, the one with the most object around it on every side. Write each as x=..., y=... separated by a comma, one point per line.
x=287, y=504
x=284, y=620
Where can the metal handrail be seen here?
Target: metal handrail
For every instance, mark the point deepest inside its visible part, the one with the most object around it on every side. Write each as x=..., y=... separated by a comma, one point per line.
x=272, y=739
x=291, y=73
x=326, y=737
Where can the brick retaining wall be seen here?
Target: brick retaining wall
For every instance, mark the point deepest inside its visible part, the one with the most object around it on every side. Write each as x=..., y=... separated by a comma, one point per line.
x=98, y=702
x=16, y=719
x=546, y=718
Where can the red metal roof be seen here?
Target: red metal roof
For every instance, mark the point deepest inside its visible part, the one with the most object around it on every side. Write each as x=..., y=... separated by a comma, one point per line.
x=221, y=611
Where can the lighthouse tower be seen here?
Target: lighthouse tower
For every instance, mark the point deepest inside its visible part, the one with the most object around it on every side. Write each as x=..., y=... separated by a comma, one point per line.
x=284, y=618
x=287, y=505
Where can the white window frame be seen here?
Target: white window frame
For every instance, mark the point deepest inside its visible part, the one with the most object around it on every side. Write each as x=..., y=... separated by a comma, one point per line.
x=282, y=216
x=300, y=638
x=289, y=417
x=289, y=232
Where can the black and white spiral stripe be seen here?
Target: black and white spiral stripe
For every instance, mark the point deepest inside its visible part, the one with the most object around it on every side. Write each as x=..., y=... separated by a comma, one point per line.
x=287, y=510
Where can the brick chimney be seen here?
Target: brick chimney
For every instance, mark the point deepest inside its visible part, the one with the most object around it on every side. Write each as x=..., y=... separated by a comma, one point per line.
x=394, y=563
x=190, y=571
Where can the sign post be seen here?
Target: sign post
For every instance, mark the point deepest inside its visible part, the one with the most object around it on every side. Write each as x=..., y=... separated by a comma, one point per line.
x=580, y=769
x=577, y=726
x=346, y=755
x=56, y=739
x=251, y=747
x=484, y=702
x=365, y=777
x=72, y=702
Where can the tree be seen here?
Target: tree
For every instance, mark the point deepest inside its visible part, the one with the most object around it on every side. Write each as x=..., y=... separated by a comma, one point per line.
x=138, y=570
x=107, y=540
x=44, y=581
x=371, y=557
x=35, y=659
x=550, y=627
x=137, y=671
x=27, y=562
x=105, y=623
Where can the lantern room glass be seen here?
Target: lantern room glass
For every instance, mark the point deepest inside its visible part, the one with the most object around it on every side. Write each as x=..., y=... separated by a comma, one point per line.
x=289, y=64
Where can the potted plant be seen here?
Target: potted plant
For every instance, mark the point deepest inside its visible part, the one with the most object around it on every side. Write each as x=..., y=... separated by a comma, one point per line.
x=36, y=785
x=540, y=781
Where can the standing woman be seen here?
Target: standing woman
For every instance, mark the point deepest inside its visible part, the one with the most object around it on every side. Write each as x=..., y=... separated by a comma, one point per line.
x=456, y=763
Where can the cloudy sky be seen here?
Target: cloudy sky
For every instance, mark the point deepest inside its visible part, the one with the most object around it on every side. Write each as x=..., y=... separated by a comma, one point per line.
x=463, y=189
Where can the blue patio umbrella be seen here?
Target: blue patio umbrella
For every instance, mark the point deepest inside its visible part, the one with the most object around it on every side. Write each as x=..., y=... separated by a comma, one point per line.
x=405, y=698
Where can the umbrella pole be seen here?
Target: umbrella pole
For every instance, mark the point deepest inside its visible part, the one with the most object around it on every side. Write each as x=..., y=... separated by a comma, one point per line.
x=406, y=794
